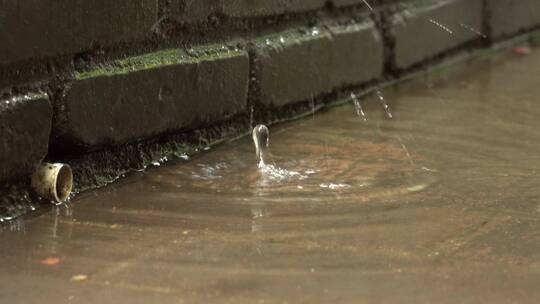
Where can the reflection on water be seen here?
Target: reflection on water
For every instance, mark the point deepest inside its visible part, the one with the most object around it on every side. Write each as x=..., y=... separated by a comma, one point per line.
x=436, y=200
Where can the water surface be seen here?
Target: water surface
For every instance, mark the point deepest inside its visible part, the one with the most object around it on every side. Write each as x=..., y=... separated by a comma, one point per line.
x=438, y=204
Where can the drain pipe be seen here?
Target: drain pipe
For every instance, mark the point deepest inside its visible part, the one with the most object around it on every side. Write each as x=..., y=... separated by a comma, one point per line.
x=53, y=181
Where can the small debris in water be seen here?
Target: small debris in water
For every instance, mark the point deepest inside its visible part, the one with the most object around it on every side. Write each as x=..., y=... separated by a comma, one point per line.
x=300, y=187
x=417, y=188
x=79, y=278
x=51, y=261
x=522, y=50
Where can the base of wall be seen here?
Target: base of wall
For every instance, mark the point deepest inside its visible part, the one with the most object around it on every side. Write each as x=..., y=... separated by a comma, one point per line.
x=97, y=169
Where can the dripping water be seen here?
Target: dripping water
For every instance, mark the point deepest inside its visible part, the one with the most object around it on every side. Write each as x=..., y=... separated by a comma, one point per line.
x=368, y=5
x=384, y=104
x=251, y=116
x=313, y=107
x=472, y=29
x=441, y=26
x=358, y=107
x=408, y=14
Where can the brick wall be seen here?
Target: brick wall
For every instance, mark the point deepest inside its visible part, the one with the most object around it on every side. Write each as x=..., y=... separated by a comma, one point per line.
x=81, y=75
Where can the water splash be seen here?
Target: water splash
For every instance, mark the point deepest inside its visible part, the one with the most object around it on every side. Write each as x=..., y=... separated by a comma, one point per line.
x=441, y=26
x=358, y=107
x=472, y=29
x=275, y=173
x=384, y=104
x=268, y=170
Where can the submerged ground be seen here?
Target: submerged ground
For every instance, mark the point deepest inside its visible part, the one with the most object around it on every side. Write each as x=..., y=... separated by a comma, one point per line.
x=438, y=204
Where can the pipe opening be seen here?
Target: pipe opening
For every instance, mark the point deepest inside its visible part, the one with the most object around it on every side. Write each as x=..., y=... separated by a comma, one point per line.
x=64, y=183
x=53, y=182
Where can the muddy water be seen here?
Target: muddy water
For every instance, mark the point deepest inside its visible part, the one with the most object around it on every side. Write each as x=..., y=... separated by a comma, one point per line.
x=439, y=204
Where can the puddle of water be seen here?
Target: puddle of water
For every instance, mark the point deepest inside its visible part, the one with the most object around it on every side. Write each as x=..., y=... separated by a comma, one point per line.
x=439, y=203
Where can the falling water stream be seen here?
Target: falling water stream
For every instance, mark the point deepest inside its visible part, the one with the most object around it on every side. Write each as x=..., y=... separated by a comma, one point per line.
x=428, y=195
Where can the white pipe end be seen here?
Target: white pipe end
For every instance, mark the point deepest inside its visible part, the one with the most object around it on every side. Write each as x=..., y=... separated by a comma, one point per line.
x=53, y=182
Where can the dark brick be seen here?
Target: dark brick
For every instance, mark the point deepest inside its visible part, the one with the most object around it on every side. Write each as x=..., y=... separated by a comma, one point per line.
x=193, y=10
x=152, y=94
x=293, y=66
x=357, y=52
x=507, y=17
x=199, y=10
x=298, y=65
x=341, y=3
x=250, y=8
x=421, y=33
x=25, y=127
x=36, y=28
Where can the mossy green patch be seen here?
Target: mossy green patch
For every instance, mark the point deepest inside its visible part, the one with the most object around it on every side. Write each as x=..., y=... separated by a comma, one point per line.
x=157, y=60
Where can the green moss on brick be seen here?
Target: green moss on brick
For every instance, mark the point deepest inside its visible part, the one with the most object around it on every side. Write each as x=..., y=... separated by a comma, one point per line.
x=157, y=60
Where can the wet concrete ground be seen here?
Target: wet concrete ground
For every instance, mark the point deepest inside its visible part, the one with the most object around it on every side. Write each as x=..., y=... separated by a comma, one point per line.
x=439, y=204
